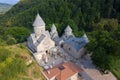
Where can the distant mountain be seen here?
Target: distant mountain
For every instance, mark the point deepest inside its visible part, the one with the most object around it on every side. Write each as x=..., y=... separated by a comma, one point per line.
x=5, y=4
x=4, y=7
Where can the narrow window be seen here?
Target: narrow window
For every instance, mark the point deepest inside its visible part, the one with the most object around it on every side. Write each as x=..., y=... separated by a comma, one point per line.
x=69, y=49
x=46, y=51
x=61, y=45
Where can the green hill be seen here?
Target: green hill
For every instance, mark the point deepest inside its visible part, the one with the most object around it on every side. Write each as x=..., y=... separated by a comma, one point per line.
x=13, y=64
x=4, y=7
x=99, y=19
x=80, y=14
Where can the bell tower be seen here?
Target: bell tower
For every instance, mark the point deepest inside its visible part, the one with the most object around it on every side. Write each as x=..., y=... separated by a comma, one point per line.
x=39, y=26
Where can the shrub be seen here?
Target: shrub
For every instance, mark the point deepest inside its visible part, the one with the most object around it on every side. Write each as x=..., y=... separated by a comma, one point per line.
x=19, y=33
x=11, y=41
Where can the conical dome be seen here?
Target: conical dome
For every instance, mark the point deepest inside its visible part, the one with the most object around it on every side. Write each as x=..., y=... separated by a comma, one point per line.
x=86, y=38
x=38, y=21
x=68, y=29
x=53, y=27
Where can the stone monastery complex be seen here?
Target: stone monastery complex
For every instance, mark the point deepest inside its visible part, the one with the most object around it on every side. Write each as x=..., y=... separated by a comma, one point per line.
x=59, y=56
x=42, y=41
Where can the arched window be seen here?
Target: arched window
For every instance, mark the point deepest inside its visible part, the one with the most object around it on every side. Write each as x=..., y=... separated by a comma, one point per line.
x=46, y=51
x=61, y=45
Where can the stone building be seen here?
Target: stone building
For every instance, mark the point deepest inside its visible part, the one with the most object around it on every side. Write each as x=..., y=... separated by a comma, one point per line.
x=54, y=33
x=67, y=33
x=75, y=46
x=71, y=44
x=54, y=53
x=40, y=41
x=54, y=36
x=64, y=71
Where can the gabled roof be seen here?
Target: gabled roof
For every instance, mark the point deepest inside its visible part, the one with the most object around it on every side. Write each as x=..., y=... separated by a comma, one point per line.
x=38, y=21
x=76, y=43
x=63, y=71
x=68, y=28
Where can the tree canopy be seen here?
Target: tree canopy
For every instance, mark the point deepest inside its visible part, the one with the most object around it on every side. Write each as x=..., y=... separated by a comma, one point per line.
x=100, y=19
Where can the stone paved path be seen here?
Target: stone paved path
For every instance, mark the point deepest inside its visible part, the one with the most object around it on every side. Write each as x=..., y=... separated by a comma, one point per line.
x=90, y=69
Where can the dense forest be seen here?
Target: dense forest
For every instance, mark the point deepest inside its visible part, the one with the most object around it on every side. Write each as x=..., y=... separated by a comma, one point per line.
x=99, y=19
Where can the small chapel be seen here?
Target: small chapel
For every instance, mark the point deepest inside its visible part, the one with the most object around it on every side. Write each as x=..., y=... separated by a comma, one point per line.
x=41, y=41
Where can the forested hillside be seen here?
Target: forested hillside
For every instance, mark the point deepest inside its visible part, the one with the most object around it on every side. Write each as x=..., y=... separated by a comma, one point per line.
x=99, y=19
x=82, y=14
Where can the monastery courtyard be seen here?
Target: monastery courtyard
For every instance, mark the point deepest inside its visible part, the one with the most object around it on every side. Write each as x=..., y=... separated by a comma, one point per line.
x=58, y=55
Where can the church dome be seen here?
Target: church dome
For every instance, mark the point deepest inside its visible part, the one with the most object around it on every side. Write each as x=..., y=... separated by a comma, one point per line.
x=68, y=29
x=38, y=21
x=53, y=27
x=85, y=38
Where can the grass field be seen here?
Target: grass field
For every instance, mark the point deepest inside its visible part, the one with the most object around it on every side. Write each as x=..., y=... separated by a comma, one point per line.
x=13, y=64
x=117, y=73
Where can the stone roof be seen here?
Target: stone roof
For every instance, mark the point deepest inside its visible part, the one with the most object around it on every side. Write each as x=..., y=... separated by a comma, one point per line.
x=63, y=71
x=85, y=38
x=77, y=43
x=40, y=40
x=53, y=27
x=38, y=21
x=47, y=33
x=68, y=28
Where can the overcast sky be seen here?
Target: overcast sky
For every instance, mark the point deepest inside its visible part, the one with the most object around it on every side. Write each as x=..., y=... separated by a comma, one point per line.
x=9, y=1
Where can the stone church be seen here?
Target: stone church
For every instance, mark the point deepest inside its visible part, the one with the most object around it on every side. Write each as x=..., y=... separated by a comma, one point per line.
x=41, y=41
